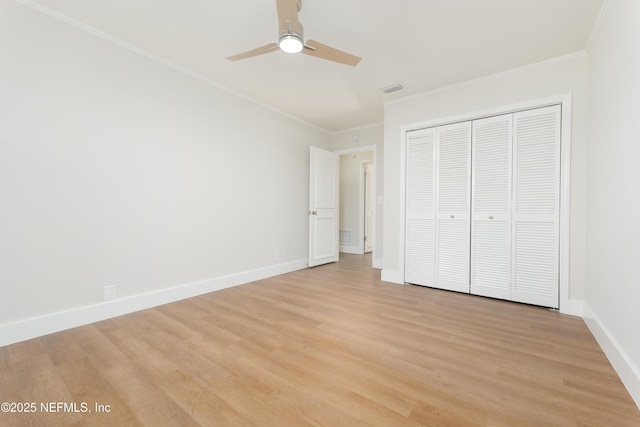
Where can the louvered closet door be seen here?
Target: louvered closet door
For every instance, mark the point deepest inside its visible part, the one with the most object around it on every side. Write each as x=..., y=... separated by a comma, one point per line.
x=491, y=207
x=536, y=192
x=420, y=208
x=453, y=204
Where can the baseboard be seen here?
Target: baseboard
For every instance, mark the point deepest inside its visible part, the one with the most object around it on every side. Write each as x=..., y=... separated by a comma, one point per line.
x=378, y=263
x=351, y=250
x=55, y=322
x=391, y=276
x=573, y=307
x=628, y=372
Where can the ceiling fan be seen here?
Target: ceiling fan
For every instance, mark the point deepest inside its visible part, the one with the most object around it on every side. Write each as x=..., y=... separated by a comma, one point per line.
x=291, y=39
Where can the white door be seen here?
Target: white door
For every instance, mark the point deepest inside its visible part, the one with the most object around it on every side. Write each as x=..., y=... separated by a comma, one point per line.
x=536, y=205
x=453, y=200
x=324, y=196
x=420, y=243
x=369, y=206
x=491, y=207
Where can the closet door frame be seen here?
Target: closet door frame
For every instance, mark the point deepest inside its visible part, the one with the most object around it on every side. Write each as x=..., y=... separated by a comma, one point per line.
x=566, y=305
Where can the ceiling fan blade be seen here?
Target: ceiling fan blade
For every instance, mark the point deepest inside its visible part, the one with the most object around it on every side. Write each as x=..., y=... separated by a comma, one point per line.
x=288, y=15
x=319, y=50
x=271, y=47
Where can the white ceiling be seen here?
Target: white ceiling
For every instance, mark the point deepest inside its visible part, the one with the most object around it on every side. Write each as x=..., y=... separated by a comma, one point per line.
x=423, y=44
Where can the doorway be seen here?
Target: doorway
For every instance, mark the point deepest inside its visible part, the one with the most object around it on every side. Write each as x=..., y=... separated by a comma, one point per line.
x=357, y=201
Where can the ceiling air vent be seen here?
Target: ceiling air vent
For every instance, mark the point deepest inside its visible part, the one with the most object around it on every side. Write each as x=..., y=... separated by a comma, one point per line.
x=392, y=88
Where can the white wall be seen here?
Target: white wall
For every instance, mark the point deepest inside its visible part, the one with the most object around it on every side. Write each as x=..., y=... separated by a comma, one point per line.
x=568, y=75
x=613, y=232
x=351, y=216
x=364, y=137
x=117, y=170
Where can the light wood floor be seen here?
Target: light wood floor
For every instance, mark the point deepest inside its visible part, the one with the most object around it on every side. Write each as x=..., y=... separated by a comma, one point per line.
x=328, y=346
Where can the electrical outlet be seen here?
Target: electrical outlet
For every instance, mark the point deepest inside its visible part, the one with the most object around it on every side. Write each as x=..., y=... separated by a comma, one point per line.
x=109, y=293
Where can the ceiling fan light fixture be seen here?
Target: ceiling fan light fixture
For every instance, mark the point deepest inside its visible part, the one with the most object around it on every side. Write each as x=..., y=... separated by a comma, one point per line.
x=291, y=43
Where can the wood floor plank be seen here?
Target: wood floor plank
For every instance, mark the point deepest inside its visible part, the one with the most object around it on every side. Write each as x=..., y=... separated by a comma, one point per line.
x=87, y=384
x=141, y=392
x=325, y=346
x=206, y=408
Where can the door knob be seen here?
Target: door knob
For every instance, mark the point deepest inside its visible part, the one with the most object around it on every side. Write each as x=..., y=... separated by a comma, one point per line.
x=490, y=216
x=452, y=216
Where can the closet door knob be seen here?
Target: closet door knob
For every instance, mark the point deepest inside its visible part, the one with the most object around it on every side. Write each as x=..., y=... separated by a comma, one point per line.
x=452, y=216
x=490, y=216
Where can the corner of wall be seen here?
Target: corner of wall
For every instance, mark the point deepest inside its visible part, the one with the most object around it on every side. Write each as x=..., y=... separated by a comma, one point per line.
x=596, y=27
x=573, y=307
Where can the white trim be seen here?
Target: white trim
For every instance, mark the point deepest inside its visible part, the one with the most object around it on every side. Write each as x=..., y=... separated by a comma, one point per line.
x=55, y=322
x=350, y=249
x=378, y=263
x=595, y=31
x=495, y=76
x=392, y=276
x=623, y=364
x=565, y=203
x=403, y=202
x=156, y=58
x=565, y=100
x=363, y=208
